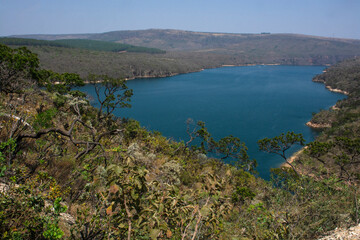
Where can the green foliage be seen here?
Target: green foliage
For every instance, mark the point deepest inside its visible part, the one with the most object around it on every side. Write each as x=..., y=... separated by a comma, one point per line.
x=23, y=213
x=7, y=149
x=232, y=147
x=127, y=185
x=280, y=144
x=241, y=194
x=28, y=42
x=56, y=82
x=52, y=232
x=59, y=100
x=134, y=130
x=58, y=207
x=105, y=46
x=18, y=68
x=227, y=147
x=44, y=119
x=81, y=44
x=51, y=228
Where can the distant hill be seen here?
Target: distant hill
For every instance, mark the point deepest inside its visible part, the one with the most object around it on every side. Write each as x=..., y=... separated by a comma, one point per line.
x=187, y=51
x=179, y=40
x=80, y=43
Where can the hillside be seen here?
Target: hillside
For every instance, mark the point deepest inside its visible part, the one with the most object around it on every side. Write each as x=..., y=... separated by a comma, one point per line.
x=80, y=44
x=193, y=51
x=179, y=40
x=71, y=171
x=335, y=153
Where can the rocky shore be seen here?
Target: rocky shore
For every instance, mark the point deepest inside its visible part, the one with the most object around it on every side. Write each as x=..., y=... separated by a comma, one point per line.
x=318, y=125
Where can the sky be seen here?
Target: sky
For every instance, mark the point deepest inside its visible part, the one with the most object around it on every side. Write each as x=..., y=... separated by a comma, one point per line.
x=330, y=18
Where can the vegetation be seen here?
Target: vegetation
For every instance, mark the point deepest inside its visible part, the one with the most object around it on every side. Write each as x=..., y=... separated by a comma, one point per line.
x=71, y=171
x=336, y=150
x=82, y=44
x=185, y=51
x=280, y=144
x=17, y=68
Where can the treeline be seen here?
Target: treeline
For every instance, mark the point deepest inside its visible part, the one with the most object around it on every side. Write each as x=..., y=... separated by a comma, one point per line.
x=82, y=44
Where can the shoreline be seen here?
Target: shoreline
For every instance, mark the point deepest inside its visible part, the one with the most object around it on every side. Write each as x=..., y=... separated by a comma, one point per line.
x=293, y=157
x=318, y=126
x=202, y=69
x=199, y=70
x=337, y=90
x=253, y=64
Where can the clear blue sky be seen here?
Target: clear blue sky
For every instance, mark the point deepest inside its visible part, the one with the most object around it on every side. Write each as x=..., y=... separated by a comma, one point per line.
x=332, y=18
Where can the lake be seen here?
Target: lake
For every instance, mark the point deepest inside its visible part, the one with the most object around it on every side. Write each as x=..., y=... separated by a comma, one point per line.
x=250, y=102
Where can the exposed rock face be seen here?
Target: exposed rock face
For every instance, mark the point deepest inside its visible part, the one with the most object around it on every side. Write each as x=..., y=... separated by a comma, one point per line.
x=337, y=90
x=344, y=234
x=67, y=218
x=318, y=125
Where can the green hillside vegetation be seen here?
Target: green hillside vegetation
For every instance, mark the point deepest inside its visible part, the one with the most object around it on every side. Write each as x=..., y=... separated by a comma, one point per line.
x=344, y=76
x=28, y=42
x=106, y=46
x=81, y=44
x=71, y=171
x=337, y=149
x=124, y=65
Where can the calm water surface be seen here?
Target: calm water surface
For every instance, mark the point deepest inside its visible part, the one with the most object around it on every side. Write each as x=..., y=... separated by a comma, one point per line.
x=249, y=102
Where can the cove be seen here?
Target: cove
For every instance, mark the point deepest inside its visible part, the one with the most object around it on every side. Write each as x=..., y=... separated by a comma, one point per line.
x=250, y=102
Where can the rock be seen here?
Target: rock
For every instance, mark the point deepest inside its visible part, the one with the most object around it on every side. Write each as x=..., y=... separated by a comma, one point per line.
x=202, y=157
x=151, y=156
x=67, y=218
x=352, y=233
x=318, y=125
x=134, y=147
x=171, y=172
x=135, y=153
x=4, y=188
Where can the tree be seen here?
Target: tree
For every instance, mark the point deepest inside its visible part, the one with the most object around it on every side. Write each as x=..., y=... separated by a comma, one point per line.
x=280, y=144
x=228, y=147
x=59, y=82
x=18, y=68
x=232, y=147
x=111, y=93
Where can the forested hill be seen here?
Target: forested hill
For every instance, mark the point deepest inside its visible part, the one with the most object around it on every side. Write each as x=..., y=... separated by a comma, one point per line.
x=80, y=44
x=177, y=40
x=185, y=51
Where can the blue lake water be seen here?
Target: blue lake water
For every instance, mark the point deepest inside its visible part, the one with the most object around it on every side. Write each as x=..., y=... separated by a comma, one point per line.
x=250, y=102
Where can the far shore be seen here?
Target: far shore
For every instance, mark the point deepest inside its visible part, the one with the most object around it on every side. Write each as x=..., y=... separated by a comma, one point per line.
x=199, y=70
